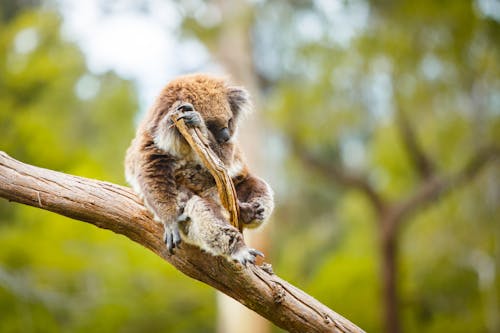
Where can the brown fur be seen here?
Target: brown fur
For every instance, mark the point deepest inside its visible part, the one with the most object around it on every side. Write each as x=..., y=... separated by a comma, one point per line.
x=165, y=172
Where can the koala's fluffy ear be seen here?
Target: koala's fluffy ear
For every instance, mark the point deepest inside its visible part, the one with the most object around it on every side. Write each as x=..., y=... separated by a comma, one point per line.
x=239, y=100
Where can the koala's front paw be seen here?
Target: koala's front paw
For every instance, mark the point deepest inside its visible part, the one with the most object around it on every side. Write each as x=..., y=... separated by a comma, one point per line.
x=191, y=117
x=246, y=255
x=171, y=236
x=251, y=212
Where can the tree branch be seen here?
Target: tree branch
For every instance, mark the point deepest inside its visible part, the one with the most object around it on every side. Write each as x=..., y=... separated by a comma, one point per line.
x=422, y=163
x=116, y=208
x=342, y=177
x=437, y=187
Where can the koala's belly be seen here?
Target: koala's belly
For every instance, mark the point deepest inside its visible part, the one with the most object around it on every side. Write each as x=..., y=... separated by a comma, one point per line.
x=194, y=178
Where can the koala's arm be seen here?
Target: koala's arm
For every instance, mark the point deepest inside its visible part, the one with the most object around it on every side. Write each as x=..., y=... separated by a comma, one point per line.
x=255, y=199
x=150, y=172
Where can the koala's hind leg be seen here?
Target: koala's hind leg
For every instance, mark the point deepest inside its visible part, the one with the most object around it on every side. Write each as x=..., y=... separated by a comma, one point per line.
x=206, y=226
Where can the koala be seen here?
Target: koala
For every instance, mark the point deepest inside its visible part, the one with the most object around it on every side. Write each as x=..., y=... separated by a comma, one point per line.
x=174, y=184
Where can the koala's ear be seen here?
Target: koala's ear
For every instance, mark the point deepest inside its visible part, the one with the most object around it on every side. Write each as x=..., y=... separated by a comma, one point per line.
x=239, y=100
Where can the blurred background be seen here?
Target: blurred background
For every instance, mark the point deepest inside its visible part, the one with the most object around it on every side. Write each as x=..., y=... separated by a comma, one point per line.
x=377, y=124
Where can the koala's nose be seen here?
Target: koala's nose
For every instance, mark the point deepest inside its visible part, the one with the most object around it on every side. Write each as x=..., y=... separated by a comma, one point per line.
x=223, y=135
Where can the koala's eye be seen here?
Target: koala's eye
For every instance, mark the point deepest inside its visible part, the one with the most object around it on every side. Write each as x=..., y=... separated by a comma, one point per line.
x=230, y=123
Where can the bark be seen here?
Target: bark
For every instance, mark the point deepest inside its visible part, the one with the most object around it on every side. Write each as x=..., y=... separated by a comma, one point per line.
x=211, y=161
x=117, y=208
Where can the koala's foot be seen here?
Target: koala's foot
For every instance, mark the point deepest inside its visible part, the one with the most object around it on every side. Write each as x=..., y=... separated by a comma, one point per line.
x=251, y=212
x=171, y=236
x=246, y=255
x=191, y=117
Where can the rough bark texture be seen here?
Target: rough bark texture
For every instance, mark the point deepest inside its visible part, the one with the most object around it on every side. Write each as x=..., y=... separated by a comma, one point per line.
x=116, y=208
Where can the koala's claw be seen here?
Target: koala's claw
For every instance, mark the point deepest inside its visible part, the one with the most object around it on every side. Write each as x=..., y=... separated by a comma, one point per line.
x=256, y=253
x=187, y=112
x=246, y=255
x=171, y=236
x=185, y=107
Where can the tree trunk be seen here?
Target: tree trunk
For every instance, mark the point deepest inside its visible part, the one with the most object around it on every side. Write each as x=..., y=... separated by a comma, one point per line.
x=389, y=252
x=234, y=52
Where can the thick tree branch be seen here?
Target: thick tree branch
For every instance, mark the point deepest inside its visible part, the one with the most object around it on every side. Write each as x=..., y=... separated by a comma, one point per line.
x=422, y=163
x=116, y=208
x=342, y=177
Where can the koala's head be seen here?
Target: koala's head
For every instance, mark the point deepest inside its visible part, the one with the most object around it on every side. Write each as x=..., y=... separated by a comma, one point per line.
x=220, y=105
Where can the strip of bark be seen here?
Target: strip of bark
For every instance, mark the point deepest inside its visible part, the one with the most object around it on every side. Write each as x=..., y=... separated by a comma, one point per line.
x=118, y=209
x=215, y=166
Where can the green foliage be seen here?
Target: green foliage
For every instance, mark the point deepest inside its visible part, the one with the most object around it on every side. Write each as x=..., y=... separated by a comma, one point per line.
x=348, y=277
x=56, y=274
x=439, y=63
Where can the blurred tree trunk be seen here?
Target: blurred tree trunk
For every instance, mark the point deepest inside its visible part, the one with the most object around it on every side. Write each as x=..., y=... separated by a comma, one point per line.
x=389, y=251
x=392, y=215
x=234, y=51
